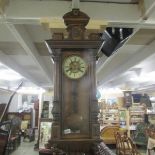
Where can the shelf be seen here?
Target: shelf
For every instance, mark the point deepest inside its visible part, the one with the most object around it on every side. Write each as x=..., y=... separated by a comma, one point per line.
x=137, y=111
x=151, y=113
x=46, y=119
x=110, y=121
x=136, y=114
x=138, y=121
x=110, y=116
x=111, y=113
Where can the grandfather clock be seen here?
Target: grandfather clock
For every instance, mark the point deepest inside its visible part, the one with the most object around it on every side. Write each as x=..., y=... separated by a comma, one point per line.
x=75, y=110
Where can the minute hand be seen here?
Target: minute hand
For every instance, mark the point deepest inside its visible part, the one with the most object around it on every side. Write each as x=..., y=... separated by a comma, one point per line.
x=81, y=70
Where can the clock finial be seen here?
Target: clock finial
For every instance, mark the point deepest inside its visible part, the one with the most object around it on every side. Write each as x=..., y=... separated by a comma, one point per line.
x=76, y=22
x=75, y=4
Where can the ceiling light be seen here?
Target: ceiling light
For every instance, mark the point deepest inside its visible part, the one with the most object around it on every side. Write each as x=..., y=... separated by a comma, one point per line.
x=140, y=79
x=1, y=64
x=110, y=90
x=31, y=90
x=144, y=78
x=9, y=75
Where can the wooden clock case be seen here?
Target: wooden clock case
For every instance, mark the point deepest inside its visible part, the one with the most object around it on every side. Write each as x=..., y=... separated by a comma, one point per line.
x=75, y=110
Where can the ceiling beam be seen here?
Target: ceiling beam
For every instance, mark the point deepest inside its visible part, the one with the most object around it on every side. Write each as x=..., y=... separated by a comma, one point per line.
x=107, y=74
x=148, y=4
x=3, y=4
x=26, y=42
x=149, y=9
x=37, y=9
x=126, y=15
x=5, y=59
x=142, y=23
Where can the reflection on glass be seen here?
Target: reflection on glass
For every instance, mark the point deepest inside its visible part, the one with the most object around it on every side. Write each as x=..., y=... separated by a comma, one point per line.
x=75, y=120
x=45, y=132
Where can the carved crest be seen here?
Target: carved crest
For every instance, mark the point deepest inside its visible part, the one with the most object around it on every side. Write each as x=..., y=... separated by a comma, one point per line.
x=76, y=22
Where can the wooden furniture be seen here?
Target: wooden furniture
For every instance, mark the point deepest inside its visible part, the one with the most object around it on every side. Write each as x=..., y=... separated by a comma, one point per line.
x=75, y=123
x=136, y=113
x=36, y=108
x=29, y=134
x=111, y=113
x=45, y=131
x=24, y=116
x=151, y=146
x=124, y=145
x=151, y=141
x=13, y=143
x=111, y=117
x=45, y=110
x=151, y=117
x=108, y=134
x=136, y=116
x=52, y=151
x=6, y=126
x=4, y=136
x=140, y=136
x=45, y=152
x=102, y=149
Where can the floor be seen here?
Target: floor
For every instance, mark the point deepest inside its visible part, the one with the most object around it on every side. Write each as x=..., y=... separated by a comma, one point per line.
x=27, y=148
x=141, y=149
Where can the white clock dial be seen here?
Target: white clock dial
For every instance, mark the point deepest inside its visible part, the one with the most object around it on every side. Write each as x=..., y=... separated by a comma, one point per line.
x=74, y=67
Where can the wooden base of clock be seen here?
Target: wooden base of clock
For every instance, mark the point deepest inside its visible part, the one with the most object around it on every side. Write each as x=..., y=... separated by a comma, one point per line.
x=77, y=146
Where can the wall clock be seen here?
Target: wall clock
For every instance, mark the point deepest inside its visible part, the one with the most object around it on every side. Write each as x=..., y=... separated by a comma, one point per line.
x=75, y=126
x=74, y=67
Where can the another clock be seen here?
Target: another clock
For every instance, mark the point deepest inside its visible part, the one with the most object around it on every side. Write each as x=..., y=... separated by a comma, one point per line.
x=74, y=67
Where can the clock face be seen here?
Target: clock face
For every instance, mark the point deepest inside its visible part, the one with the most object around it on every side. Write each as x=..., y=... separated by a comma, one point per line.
x=74, y=67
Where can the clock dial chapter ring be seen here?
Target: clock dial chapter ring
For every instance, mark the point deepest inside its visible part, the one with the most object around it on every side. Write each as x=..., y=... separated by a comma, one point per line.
x=74, y=67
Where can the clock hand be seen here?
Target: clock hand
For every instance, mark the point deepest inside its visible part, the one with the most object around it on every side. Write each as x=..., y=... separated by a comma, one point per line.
x=71, y=60
x=67, y=70
x=70, y=72
x=81, y=70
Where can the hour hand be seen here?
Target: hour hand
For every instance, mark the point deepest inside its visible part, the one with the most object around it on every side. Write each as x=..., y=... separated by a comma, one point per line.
x=67, y=70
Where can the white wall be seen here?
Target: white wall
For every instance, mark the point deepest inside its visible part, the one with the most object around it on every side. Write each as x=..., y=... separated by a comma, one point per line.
x=14, y=104
x=4, y=98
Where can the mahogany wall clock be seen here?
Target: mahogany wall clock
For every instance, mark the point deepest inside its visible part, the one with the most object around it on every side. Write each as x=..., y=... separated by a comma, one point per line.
x=75, y=110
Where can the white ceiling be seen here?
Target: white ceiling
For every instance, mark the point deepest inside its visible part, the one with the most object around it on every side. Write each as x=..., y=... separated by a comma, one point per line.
x=22, y=37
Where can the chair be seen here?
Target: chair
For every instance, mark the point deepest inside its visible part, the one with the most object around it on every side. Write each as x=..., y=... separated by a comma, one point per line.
x=140, y=136
x=102, y=149
x=108, y=134
x=151, y=140
x=5, y=128
x=124, y=145
x=45, y=152
x=30, y=134
x=150, y=150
